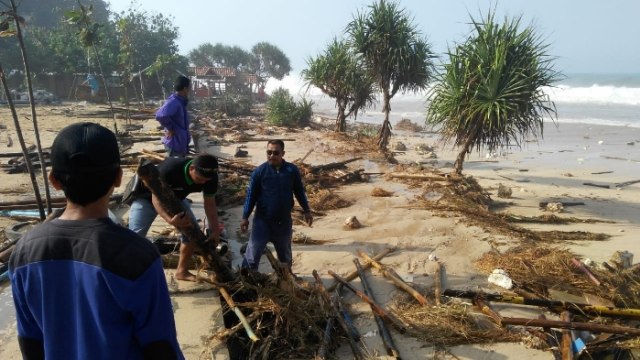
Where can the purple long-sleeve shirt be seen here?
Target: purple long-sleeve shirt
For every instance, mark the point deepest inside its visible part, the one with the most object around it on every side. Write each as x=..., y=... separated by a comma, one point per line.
x=173, y=117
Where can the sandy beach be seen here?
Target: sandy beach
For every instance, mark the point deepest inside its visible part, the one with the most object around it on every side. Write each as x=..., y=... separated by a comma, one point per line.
x=553, y=169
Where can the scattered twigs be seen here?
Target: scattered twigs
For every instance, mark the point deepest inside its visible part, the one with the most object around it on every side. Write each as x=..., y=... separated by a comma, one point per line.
x=224, y=334
x=375, y=306
x=152, y=155
x=334, y=165
x=305, y=156
x=597, y=185
x=354, y=274
x=232, y=305
x=384, y=332
x=586, y=271
x=397, y=281
x=553, y=304
x=326, y=339
x=626, y=183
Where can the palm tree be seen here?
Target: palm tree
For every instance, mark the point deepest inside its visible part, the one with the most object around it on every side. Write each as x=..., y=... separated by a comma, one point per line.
x=338, y=73
x=395, y=54
x=491, y=93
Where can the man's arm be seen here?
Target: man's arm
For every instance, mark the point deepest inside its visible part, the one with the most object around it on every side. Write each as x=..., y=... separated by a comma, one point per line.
x=165, y=114
x=253, y=191
x=301, y=195
x=211, y=211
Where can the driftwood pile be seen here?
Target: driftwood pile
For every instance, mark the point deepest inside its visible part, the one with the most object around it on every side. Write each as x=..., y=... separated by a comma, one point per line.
x=16, y=163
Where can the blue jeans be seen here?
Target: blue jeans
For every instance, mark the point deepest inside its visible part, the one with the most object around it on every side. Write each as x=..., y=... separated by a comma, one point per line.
x=264, y=231
x=142, y=213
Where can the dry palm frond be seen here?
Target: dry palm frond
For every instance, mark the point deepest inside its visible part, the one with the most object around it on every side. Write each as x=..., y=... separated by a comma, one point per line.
x=379, y=192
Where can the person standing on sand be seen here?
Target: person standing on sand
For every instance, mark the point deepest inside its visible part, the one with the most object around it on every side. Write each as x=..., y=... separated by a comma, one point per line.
x=184, y=176
x=271, y=190
x=84, y=287
x=173, y=116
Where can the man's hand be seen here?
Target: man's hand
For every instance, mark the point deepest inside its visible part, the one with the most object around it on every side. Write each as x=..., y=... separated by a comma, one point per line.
x=244, y=225
x=180, y=220
x=308, y=218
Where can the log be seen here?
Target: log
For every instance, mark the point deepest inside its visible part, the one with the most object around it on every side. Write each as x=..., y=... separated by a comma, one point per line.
x=335, y=165
x=599, y=328
x=384, y=332
x=421, y=177
x=243, y=320
x=19, y=154
x=375, y=306
x=566, y=348
x=438, y=284
x=543, y=204
x=626, y=183
x=488, y=311
x=335, y=306
x=395, y=279
x=354, y=274
x=148, y=173
x=597, y=185
x=553, y=304
x=586, y=271
x=326, y=339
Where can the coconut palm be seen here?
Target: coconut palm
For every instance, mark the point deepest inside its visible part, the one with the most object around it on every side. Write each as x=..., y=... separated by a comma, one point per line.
x=395, y=54
x=491, y=93
x=338, y=73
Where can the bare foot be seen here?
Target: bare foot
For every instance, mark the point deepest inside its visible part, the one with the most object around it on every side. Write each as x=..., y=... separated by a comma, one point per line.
x=187, y=276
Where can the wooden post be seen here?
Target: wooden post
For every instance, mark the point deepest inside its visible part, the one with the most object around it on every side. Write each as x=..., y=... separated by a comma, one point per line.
x=148, y=173
x=397, y=281
x=374, y=305
x=384, y=332
x=567, y=351
x=354, y=274
x=438, y=284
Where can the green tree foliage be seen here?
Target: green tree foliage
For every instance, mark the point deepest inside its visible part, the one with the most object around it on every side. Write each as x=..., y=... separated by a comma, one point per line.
x=269, y=61
x=220, y=55
x=339, y=73
x=490, y=93
x=397, y=57
x=283, y=110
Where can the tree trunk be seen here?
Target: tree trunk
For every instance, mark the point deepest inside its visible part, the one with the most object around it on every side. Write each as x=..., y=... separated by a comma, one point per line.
x=385, y=130
x=462, y=155
x=25, y=152
x=106, y=89
x=341, y=125
x=43, y=165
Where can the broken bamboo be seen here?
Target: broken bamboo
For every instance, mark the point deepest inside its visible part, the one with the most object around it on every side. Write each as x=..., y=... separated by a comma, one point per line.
x=377, y=308
x=354, y=274
x=397, y=281
x=232, y=305
x=421, y=177
x=554, y=304
x=609, y=329
x=335, y=307
x=387, y=340
x=586, y=271
x=148, y=173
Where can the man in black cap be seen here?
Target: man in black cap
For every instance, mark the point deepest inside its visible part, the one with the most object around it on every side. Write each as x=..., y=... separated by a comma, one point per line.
x=184, y=176
x=82, y=285
x=174, y=118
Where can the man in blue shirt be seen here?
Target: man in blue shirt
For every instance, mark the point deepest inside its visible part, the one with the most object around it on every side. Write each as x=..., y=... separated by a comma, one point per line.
x=271, y=190
x=174, y=118
x=84, y=287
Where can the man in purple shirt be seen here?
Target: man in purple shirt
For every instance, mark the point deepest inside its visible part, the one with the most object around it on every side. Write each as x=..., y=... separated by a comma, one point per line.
x=175, y=120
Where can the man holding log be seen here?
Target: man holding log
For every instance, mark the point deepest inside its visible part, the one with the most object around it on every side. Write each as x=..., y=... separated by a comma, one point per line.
x=184, y=176
x=271, y=190
x=83, y=286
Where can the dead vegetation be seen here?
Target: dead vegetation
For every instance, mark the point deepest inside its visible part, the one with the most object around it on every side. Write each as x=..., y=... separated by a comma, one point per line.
x=408, y=125
x=380, y=192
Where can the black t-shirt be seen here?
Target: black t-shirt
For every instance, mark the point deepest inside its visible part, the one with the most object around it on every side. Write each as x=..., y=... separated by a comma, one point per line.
x=175, y=171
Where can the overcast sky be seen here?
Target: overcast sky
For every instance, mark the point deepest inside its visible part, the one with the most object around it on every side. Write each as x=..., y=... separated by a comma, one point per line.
x=586, y=36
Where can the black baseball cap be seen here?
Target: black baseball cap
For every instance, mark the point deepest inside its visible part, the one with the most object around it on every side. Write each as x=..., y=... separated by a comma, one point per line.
x=84, y=148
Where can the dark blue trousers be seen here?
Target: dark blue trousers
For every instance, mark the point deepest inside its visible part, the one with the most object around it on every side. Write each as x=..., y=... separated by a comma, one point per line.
x=264, y=231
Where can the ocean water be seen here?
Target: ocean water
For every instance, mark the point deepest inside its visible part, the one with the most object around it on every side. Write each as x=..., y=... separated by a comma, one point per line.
x=599, y=99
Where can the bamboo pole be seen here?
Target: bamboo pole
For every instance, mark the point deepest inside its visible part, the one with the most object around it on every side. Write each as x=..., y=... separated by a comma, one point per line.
x=326, y=339
x=488, y=311
x=354, y=274
x=245, y=323
x=421, y=177
x=335, y=306
x=148, y=173
x=224, y=334
x=374, y=305
x=609, y=329
x=554, y=304
x=586, y=271
x=397, y=281
x=566, y=349
x=384, y=332
x=438, y=284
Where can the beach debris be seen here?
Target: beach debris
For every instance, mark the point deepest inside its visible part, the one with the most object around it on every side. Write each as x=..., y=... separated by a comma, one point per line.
x=600, y=142
x=501, y=278
x=555, y=207
x=585, y=270
x=400, y=146
x=432, y=257
x=424, y=148
x=622, y=259
x=602, y=172
x=543, y=204
x=567, y=174
x=240, y=152
x=379, y=192
x=626, y=183
x=352, y=223
x=631, y=143
x=504, y=192
x=408, y=125
x=354, y=274
x=597, y=185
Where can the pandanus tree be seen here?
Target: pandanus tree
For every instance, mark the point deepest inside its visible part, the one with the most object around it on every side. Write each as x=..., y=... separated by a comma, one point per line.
x=338, y=72
x=491, y=93
x=394, y=52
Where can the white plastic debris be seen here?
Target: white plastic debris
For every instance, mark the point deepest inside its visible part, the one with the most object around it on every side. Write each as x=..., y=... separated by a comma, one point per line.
x=501, y=278
x=371, y=333
x=554, y=207
x=433, y=257
x=600, y=142
x=352, y=223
